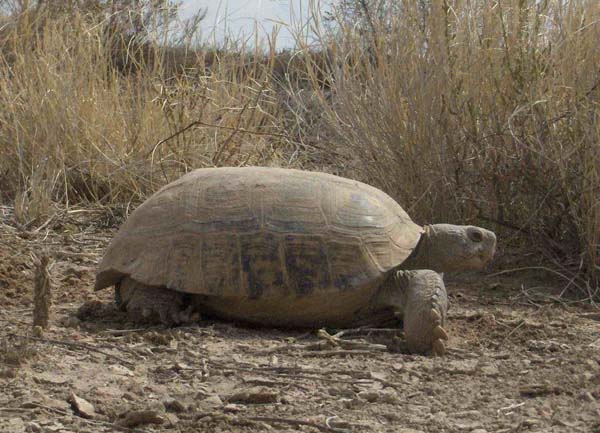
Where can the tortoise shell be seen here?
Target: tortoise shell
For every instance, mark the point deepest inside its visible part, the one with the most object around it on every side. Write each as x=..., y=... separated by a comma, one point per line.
x=261, y=233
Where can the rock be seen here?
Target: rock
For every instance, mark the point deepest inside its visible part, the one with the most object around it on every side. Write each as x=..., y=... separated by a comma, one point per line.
x=489, y=370
x=81, y=406
x=141, y=417
x=530, y=422
x=70, y=322
x=587, y=396
x=531, y=411
x=48, y=377
x=467, y=425
x=174, y=406
x=546, y=346
x=467, y=366
x=8, y=373
x=38, y=399
x=341, y=392
x=338, y=424
x=370, y=396
x=55, y=427
x=212, y=401
x=388, y=396
x=479, y=430
x=121, y=370
x=351, y=403
x=180, y=366
x=33, y=427
x=171, y=419
x=232, y=408
x=16, y=424
x=379, y=375
x=538, y=390
x=468, y=414
x=128, y=396
x=256, y=395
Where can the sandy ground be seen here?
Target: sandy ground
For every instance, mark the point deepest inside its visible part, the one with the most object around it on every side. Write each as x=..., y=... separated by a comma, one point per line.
x=519, y=361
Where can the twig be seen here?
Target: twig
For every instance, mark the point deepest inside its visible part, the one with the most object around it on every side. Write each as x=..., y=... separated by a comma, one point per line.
x=216, y=158
x=307, y=374
x=32, y=406
x=335, y=341
x=332, y=353
x=272, y=383
x=74, y=345
x=539, y=268
x=267, y=371
x=128, y=331
x=366, y=330
x=512, y=331
x=210, y=125
x=294, y=422
x=71, y=255
x=42, y=295
x=367, y=12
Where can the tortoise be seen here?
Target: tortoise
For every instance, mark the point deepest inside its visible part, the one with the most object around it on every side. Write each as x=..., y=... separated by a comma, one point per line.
x=287, y=248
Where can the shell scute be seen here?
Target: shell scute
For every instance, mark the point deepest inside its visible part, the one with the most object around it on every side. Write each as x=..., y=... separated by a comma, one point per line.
x=262, y=273
x=306, y=264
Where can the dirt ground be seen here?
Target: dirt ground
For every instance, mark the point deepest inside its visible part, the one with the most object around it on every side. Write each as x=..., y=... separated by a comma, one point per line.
x=519, y=359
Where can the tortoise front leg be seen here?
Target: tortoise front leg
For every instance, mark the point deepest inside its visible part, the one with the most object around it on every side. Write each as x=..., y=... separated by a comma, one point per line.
x=156, y=305
x=423, y=302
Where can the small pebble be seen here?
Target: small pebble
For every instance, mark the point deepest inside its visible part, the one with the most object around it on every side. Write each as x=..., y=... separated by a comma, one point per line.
x=231, y=407
x=141, y=417
x=256, y=395
x=174, y=406
x=33, y=427
x=370, y=396
x=81, y=406
x=212, y=401
x=128, y=396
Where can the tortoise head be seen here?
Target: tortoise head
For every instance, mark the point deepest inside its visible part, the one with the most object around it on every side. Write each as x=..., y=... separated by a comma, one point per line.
x=447, y=248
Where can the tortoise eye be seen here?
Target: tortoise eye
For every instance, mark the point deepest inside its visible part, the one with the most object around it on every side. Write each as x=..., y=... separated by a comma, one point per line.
x=475, y=235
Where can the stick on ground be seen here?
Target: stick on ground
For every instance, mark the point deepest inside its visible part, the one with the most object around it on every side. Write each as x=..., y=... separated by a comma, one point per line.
x=42, y=295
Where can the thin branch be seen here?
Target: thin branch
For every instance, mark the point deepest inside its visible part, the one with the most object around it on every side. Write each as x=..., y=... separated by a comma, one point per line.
x=294, y=422
x=75, y=346
x=210, y=125
x=33, y=406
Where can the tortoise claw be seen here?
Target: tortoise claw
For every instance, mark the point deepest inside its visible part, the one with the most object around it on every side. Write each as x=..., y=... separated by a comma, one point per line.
x=435, y=316
x=440, y=333
x=438, y=348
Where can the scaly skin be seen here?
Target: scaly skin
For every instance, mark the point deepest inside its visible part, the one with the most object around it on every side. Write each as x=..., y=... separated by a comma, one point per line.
x=146, y=304
x=420, y=297
x=449, y=248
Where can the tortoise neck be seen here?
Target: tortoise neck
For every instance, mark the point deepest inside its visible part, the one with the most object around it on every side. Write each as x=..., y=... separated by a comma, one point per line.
x=420, y=257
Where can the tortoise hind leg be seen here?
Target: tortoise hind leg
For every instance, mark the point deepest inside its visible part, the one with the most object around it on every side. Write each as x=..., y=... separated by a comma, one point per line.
x=156, y=305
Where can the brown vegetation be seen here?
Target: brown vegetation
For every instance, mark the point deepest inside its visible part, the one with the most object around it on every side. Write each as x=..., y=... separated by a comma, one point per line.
x=462, y=111
x=485, y=110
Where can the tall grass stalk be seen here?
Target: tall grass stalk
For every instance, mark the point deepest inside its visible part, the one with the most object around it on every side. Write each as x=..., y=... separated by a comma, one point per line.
x=82, y=122
x=469, y=111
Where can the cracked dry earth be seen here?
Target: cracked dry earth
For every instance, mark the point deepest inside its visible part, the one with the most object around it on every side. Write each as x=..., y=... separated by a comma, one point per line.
x=518, y=361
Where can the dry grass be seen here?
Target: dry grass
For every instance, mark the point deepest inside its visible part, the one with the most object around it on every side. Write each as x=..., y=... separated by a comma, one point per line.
x=483, y=112
x=77, y=129
x=479, y=111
